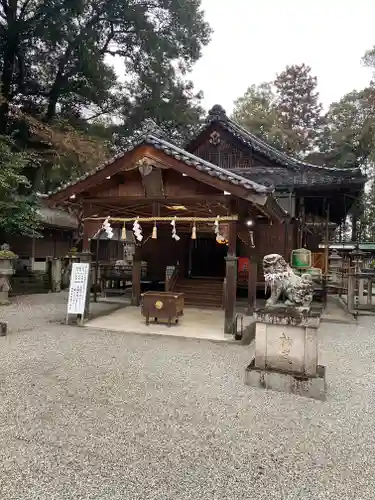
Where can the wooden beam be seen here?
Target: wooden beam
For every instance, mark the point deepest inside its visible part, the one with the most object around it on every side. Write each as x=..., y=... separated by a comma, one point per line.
x=193, y=198
x=224, y=218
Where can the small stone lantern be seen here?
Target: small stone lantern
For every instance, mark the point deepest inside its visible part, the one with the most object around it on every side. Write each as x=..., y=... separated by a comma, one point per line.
x=334, y=265
x=356, y=257
x=7, y=258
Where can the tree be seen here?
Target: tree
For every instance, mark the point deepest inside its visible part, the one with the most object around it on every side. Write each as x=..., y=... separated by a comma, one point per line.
x=297, y=101
x=256, y=111
x=347, y=138
x=18, y=207
x=285, y=113
x=54, y=53
x=57, y=79
x=176, y=109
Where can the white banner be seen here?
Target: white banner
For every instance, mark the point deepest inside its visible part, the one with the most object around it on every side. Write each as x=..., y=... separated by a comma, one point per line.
x=78, y=288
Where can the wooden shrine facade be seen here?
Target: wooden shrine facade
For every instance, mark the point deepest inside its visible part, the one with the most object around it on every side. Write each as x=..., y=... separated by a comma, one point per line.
x=266, y=202
x=157, y=183
x=316, y=197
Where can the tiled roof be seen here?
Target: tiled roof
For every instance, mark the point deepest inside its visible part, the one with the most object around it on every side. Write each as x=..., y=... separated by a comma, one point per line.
x=152, y=135
x=55, y=217
x=305, y=173
x=283, y=177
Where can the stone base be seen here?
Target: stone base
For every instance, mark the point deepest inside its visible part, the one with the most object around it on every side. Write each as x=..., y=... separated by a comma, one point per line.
x=249, y=333
x=4, y=299
x=275, y=380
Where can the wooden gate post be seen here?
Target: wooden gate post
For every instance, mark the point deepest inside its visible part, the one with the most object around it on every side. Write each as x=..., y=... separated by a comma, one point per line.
x=231, y=280
x=136, y=276
x=252, y=284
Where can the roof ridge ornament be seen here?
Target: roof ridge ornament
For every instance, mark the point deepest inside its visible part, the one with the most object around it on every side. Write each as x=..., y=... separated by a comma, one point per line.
x=149, y=126
x=217, y=113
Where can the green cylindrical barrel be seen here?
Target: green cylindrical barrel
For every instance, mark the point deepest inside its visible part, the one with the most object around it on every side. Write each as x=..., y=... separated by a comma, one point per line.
x=301, y=258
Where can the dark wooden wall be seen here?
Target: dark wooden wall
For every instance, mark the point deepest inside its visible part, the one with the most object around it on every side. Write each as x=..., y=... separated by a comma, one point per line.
x=54, y=243
x=275, y=238
x=163, y=252
x=130, y=185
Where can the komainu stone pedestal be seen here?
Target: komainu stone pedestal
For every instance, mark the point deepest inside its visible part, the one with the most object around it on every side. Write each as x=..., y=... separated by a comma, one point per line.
x=286, y=353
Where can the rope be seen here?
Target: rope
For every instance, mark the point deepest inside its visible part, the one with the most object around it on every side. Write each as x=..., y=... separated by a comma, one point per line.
x=224, y=218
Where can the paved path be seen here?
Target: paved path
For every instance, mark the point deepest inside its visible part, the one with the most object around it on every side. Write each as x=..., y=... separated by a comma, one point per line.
x=86, y=414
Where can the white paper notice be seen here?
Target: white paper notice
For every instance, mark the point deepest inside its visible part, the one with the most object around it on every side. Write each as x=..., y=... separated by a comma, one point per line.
x=78, y=288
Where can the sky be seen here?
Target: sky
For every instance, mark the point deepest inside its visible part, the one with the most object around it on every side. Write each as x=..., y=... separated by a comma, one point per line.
x=255, y=39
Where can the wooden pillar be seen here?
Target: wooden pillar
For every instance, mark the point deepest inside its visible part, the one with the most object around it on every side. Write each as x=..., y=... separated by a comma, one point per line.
x=32, y=260
x=303, y=221
x=231, y=280
x=351, y=290
x=326, y=242
x=86, y=237
x=136, y=276
x=252, y=284
x=86, y=228
x=86, y=257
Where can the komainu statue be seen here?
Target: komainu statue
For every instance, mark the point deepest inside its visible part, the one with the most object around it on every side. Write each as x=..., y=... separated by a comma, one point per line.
x=280, y=277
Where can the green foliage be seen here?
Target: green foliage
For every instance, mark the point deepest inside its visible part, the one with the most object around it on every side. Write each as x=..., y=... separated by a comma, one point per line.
x=8, y=255
x=256, y=111
x=300, y=109
x=285, y=113
x=348, y=140
x=18, y=208
x=348, y=135
x=61, y=53
x=56, y=72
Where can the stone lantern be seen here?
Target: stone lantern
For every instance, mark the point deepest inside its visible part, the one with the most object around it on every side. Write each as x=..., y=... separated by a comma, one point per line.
x=356, y=257
x=334, y=265
x=7, y=258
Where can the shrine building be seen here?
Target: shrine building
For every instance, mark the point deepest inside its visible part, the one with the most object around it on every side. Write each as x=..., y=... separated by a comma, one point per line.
x=202, y=217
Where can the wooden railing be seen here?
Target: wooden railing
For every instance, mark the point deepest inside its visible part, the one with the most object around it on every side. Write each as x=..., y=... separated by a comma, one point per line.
x=171, y=283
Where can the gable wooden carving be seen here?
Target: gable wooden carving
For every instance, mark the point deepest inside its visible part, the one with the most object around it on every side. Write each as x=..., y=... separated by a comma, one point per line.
x=152, y=180
x=218, y=150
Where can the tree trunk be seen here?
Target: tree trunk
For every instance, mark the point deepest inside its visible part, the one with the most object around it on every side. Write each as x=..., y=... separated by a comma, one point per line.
x=354, y=227
x=10, y=37
x=52, y=103
x=6, y=82
x=57, y=86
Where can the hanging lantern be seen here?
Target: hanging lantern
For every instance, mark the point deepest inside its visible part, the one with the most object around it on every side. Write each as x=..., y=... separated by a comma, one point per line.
x=221, y=240
x=154, y=232
x=194, y=233
x=123, y=233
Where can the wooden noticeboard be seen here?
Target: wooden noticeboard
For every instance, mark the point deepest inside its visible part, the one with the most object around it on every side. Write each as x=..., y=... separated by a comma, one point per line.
x=169, y=270
x=78, y=288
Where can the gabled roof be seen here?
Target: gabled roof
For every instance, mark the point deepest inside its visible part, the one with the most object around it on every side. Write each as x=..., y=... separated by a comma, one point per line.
x=54, y=217
x=153, y=136
x=305, y=173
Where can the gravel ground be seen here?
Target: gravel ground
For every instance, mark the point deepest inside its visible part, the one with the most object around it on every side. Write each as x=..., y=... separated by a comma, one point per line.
x=97, y=415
